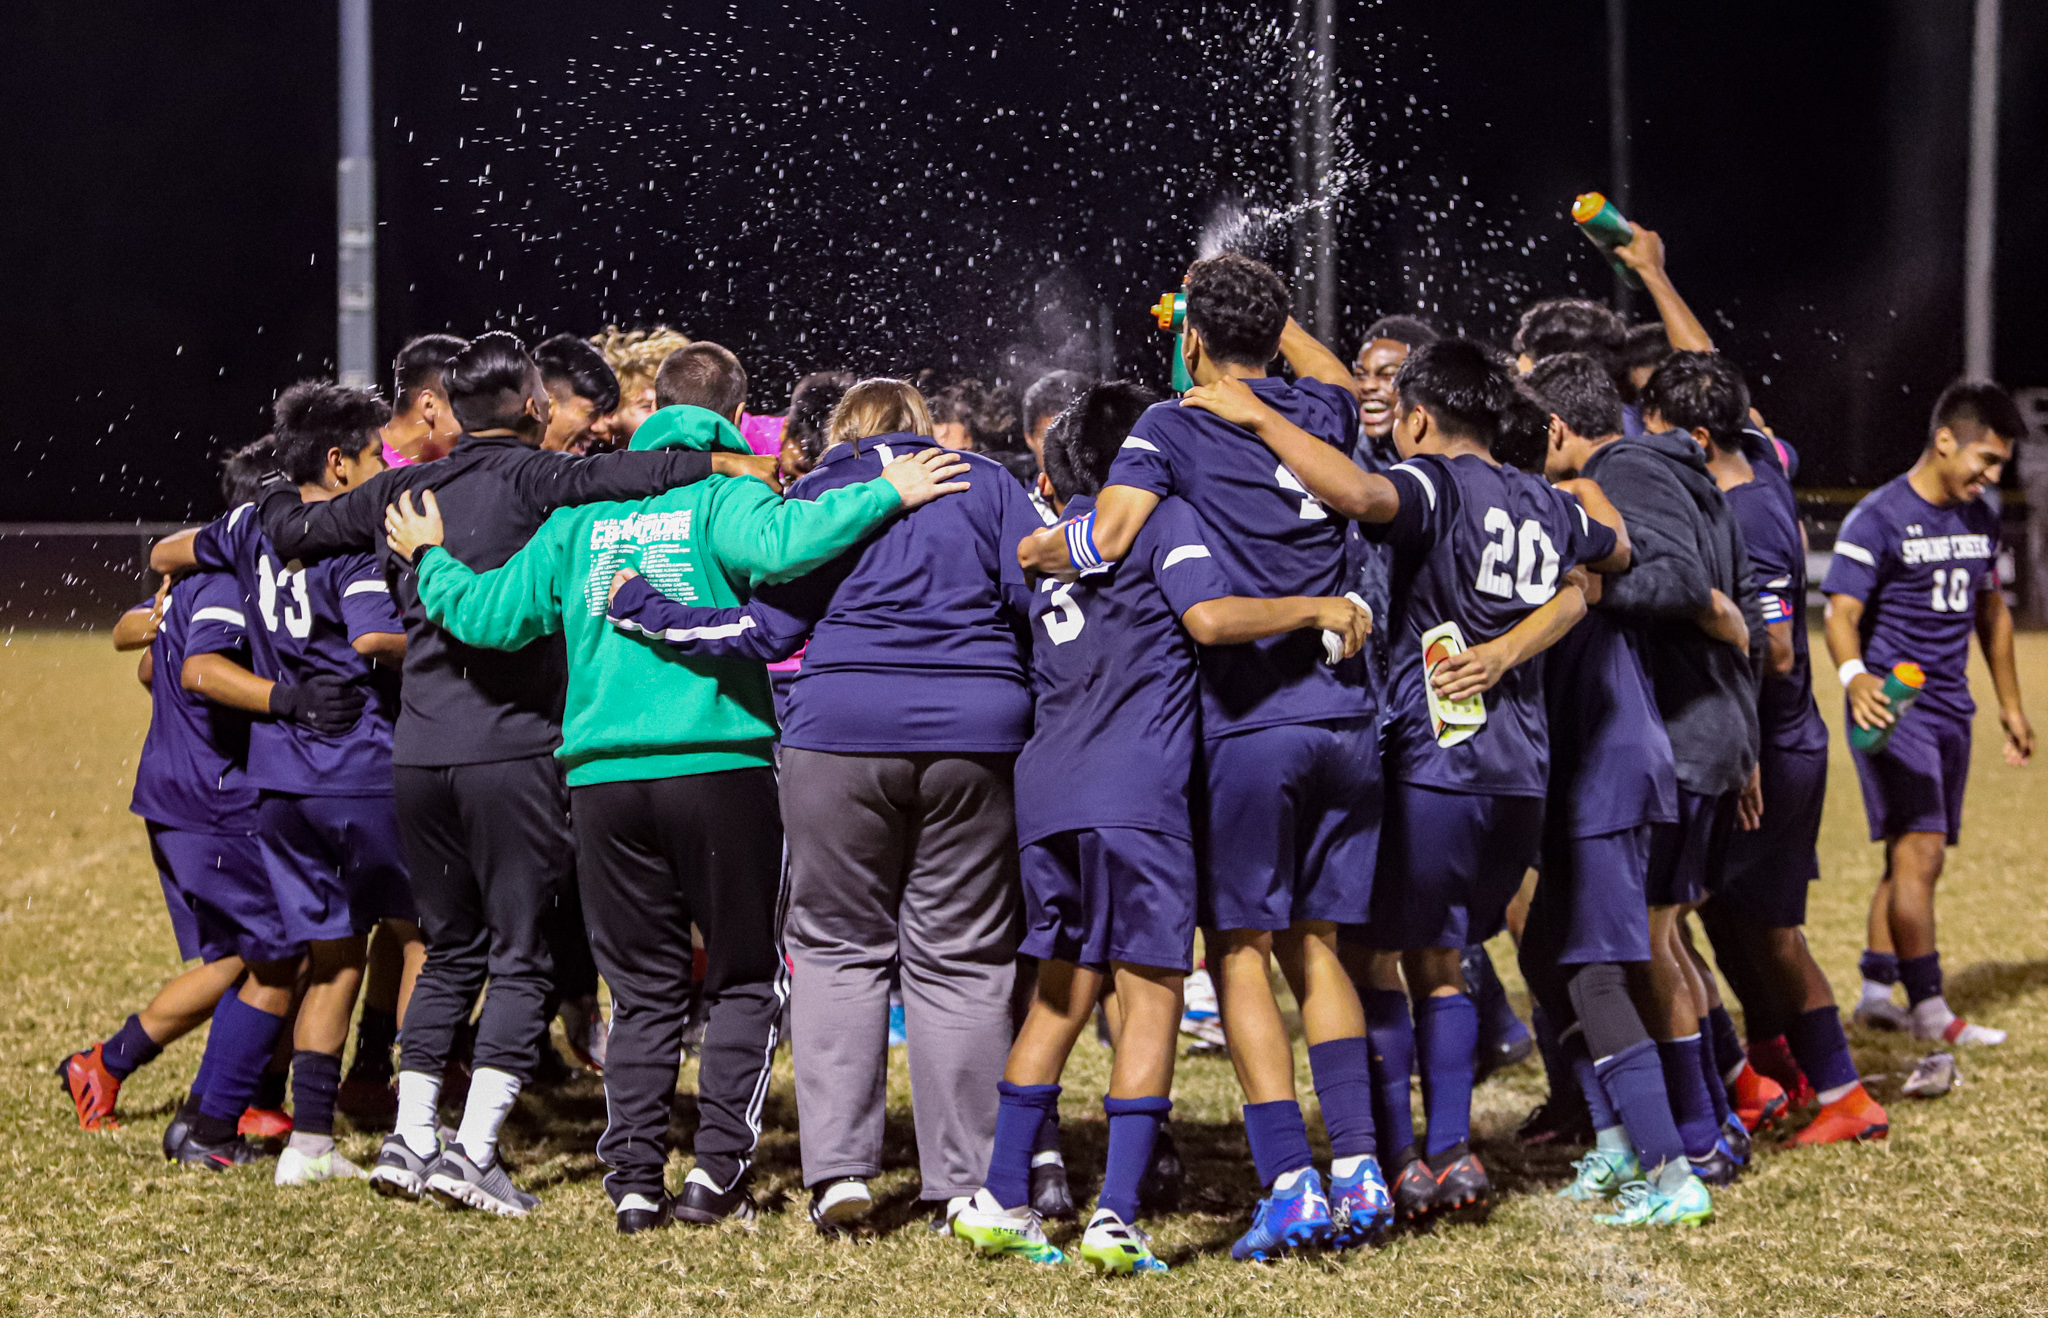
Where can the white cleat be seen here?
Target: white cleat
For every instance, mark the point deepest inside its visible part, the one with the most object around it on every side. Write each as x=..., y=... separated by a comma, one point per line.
x=1935, y=1075
x=1881, y=1014
x=296, y=1168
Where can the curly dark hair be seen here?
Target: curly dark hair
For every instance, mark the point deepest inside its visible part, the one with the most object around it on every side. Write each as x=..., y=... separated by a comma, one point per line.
x=1240, y=307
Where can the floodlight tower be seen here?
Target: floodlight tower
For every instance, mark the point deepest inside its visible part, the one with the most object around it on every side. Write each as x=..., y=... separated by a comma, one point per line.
x=356, y=208
x=1315, y=221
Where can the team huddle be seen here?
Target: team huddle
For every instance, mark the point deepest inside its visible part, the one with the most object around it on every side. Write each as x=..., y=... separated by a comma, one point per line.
x=1347, y=669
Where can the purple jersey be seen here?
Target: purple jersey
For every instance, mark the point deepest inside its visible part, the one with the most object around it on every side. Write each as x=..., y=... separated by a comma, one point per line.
x=302, y=622
x=1918, y=570
x=1610, y=760
x=191, y=774
x=1768, y=513
x=1483, y=546
x=1271, y=540
x=1115, y=677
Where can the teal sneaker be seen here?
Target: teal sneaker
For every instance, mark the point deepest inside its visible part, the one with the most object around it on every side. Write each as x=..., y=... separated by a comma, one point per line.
x=1642, y=1204
x=1601, y=1174
x=995, y=1230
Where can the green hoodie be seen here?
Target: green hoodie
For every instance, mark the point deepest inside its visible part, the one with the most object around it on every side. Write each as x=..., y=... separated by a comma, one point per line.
x=637, y=708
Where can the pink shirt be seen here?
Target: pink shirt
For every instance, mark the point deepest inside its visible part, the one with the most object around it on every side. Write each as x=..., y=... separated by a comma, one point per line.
x=763, y=434
x=393, y=458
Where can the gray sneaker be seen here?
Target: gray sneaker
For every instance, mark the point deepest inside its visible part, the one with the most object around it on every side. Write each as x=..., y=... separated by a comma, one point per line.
x=399, y=1173
x=460, y=1183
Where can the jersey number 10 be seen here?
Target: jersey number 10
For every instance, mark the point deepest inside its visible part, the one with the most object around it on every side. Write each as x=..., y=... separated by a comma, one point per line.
x=1528, y=548
x=1957, y=598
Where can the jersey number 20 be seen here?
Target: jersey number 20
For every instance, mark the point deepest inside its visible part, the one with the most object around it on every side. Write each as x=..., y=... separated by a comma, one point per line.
x=1528, y=548
x=1956, y=599
x=279, y=593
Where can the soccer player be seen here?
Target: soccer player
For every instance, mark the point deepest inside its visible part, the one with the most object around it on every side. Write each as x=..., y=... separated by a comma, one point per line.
x=635, y=357
x=1478, y=548
x=1291, y=747
x=582, y=388
x=482, y=806
x=670, y=777
x=1109, y=870
x=1914, y=574
x=1387, y=343
x=422, y=425
x=327, y=817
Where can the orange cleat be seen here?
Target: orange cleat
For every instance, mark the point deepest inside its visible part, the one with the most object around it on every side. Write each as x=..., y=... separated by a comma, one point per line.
x=1757, y=1099
x=93, y=1088
x=1853, y=1116
x=264, y=1123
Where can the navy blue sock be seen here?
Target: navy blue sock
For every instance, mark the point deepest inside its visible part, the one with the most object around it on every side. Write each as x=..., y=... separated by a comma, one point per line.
x=1583, y=1073
x=1343, y=1073
x=1879, y=967
x=270, y=1091
x=1279, y=1139
x=238, y=1047
x=129, y=1049
x=1557, y=1069
x=1634, y=1083
x=1390, y=1032
x=1685, y=1082
x=1710, y=1073
x=315, y=1077
x=1728, y=1053
x=1821, y=1049
x=1133, y=1129
x=1922, y=977
x=1020, y=1111
x=1446, y=1032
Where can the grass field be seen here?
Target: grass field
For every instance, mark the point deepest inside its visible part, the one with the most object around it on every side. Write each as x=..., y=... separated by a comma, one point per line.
x=1945, y=1217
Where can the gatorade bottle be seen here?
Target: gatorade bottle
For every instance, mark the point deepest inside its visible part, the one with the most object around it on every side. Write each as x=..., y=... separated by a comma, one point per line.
x=1606, y=229
x=1901, y=687
x=1171, y=312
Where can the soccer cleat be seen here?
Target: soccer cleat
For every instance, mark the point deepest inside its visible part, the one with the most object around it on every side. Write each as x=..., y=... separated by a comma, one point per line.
x=838, y=1205
x=1462, y=1185
x=1200, y=1022
x=1557, y=1121
x=1112, y=1246
x=295, y=1168
x=996, y=1231
x=460, y=1183
x=1736, y=1137
x=93, y=1088
x=1853, y=1116
x=702, y=1203
x=264, y=1123
x=1933, y=1076
x=1414, y=1192
x=399, y=1173
x=1759, y=1100
x=180, y=1126
x=638, y=1213
x=228, y=1154
x=1360, y=1207
x=1601, y=1174
x=1960, y=1031
x=943, y=1214
x=1718, y=1167
x=1285, y=1220
x=899, y=1026
x=1881, y=1014
x=1051, y=1197
x=1159, y=1190
x=368, y=1101
x=1642, y=1204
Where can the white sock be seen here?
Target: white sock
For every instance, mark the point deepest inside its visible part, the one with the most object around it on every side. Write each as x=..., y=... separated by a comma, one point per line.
x=1838, y=1093
x=1341, y=1168
x=1931, y=1015
x=639, y=1201
x=1875, y=993
x=1286, y=1181
x=311, y=1146
x=1049, y=1158
x=491, y=1095
x=1613, y=1140
x=419, y=1098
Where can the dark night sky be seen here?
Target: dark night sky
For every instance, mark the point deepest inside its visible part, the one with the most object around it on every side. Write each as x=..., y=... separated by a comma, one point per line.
x=888, y=186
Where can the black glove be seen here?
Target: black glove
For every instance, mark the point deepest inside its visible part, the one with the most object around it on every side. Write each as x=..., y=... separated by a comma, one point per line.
x=324, y=703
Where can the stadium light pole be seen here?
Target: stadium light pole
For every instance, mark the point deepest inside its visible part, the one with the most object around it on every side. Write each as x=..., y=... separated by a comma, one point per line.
x=1618, y=127
x=1981, y=215
x=1315, y=226
x=356, y=208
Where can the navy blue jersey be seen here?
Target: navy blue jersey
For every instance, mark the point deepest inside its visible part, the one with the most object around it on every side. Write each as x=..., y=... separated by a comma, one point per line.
x=1768, y=513
x=1115, y=678
x=1610, y=760
x=1918, y=570
x=302, y=621
x=191, y=774
x=1270, y=538
x=1480, y=545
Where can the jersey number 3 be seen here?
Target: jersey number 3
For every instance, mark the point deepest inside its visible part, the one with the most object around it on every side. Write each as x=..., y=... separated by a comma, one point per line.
x=1528, y=548
x=280, y=592
x=1956, y=597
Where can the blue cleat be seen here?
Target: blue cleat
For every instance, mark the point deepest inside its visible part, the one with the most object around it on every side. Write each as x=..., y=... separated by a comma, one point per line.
x=1360, y=1207
x=1284, y=1220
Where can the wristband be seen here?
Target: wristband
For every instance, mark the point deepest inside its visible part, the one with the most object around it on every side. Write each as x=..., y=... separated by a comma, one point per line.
x=1853, y=669
x=1081, y=551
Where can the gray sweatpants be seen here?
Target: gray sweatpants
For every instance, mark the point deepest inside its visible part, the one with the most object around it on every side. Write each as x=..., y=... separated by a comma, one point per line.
x=910, y=859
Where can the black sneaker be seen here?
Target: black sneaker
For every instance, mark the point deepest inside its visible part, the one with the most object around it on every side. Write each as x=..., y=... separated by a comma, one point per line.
x=180, y=1127
x=225, y=1155
x=1051, y=1196
x=1414, y=1192
x=1736, y=1136
x=702, y=1203
x=1560, y=1121
x=1159, y=1190
x=1718, y=1167
x=1461, y=1182
x=638, y=1213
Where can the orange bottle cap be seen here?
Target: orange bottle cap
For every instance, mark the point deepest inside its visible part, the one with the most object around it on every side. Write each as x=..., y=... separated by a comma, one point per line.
x=1163, y=312
x=1587, y=206
x=1911, y=674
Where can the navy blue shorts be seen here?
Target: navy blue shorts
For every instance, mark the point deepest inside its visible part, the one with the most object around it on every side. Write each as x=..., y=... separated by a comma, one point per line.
x=219, y=896
x=1688, y=858
x=1768, y=868
x=1098, y=895
x=1290, y=825
x=1450, y=862
x=334, y=863
x=1915, y=785
x=1589, y=905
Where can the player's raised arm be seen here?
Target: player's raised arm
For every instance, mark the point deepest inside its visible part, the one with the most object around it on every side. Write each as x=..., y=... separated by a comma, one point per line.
x=1645, y=255
x=1311, y=360
x=1994, y=634
x=1334, y=479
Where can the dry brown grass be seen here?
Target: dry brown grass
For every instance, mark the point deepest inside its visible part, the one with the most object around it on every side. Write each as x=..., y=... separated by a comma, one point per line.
x=1945, y=1217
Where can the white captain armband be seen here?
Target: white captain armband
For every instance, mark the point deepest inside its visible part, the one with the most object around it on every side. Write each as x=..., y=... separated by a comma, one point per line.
x=1081, y=551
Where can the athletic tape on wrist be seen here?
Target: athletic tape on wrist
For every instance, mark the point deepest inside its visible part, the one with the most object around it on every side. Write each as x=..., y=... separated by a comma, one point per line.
x=1854, y=668
x=1081, y=551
